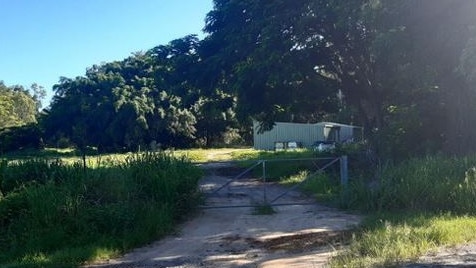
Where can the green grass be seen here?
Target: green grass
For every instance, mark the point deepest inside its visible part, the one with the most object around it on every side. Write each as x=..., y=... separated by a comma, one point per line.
x=391, y=240
x=324, y=187
x=53, y=212
x=418, y=206
x=94, y=159
x=281, y=164
x=218, y=154
x=44, y=153
x=60, y=215
x=432, y=184
x=415, y=206
x=251, y=154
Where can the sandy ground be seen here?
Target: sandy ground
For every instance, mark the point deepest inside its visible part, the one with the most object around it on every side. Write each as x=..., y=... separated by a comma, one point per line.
x=305, y=234
x=457, y=256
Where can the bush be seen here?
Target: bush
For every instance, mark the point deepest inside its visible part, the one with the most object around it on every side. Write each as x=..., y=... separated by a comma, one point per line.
x=67, y=208
x=17, y=138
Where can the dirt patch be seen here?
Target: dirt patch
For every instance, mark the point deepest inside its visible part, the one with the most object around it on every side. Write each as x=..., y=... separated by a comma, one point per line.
x=225, y=171
x=300, y=234
x=456, y=256
x=305, y=242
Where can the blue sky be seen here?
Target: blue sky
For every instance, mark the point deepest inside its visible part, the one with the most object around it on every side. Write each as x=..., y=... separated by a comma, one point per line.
x=41, y=40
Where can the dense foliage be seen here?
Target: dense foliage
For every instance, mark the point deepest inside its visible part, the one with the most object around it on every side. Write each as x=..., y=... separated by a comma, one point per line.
x=20, y=137
x=431, y=184
x=19, y=106
x=148, y=98
x=19, y=111
x=402, y=69
x=53, y=214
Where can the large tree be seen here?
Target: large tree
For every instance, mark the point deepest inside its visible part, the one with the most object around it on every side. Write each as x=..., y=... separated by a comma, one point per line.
x=253, y=46
x=393, y=62
x=149, y=97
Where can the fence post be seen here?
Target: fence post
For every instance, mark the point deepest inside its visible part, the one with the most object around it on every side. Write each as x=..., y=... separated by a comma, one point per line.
x=344, y=171
x=264, y=182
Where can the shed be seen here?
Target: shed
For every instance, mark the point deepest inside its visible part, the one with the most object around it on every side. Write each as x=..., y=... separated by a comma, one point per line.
x=305, y=134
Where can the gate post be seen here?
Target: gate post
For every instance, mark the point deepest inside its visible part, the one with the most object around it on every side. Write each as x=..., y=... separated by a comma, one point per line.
x=344, y=171
x=264, y=183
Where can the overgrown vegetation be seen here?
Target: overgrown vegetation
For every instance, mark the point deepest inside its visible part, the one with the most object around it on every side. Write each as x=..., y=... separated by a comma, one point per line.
x=393, y=239
x=55, y=214
x=417, y=206
x=405, y=72
x=431, y=184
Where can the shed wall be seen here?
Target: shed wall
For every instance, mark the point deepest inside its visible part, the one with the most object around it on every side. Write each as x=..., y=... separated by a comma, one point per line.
x=306, y=134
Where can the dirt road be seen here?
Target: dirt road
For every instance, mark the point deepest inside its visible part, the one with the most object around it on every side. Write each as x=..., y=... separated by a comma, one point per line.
x=304, y=235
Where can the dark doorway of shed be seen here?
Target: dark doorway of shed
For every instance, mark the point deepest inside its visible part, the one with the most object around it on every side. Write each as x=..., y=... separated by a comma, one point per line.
x=332, y=133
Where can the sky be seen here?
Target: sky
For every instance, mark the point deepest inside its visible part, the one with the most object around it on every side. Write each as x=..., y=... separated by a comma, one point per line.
x=42, y=40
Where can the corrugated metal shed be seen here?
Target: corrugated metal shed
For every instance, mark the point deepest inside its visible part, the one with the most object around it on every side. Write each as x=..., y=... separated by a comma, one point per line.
x=305, y=134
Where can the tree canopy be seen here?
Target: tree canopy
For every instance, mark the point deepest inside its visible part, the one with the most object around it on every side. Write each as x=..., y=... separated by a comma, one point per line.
x=396, y=65
x=149, y=97
x=19, y=106
x=405, y=70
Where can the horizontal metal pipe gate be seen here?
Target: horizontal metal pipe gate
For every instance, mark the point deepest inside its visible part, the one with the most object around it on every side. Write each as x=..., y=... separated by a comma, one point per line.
x=343, y=162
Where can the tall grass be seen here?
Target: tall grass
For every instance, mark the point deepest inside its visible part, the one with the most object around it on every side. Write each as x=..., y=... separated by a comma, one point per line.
x=418, y=205
x=392, y=240
x=55, y=214
x=432, y=184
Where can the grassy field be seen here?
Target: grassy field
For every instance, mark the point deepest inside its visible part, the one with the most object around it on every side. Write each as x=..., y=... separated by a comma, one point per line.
x=93, y=159
x=413, y=207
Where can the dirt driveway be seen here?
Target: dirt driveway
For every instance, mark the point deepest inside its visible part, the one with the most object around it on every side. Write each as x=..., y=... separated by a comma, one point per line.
x=304, y=235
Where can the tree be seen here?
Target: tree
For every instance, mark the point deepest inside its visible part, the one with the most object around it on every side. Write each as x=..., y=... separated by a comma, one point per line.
x=147, y=97
x=253, y=47
x=393, y=62
x=17, y=106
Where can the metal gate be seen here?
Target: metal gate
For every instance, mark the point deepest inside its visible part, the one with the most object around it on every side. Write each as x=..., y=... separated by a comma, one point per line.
x=257, y=171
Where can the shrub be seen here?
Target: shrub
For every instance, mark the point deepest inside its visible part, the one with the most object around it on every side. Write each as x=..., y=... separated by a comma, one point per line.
x=17, y=138
x=66, y=207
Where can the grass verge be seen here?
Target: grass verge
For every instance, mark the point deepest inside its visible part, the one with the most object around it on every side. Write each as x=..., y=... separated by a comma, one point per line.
x=394, y=239
x=59, y=215
x=437, y=196
x=323, y=186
